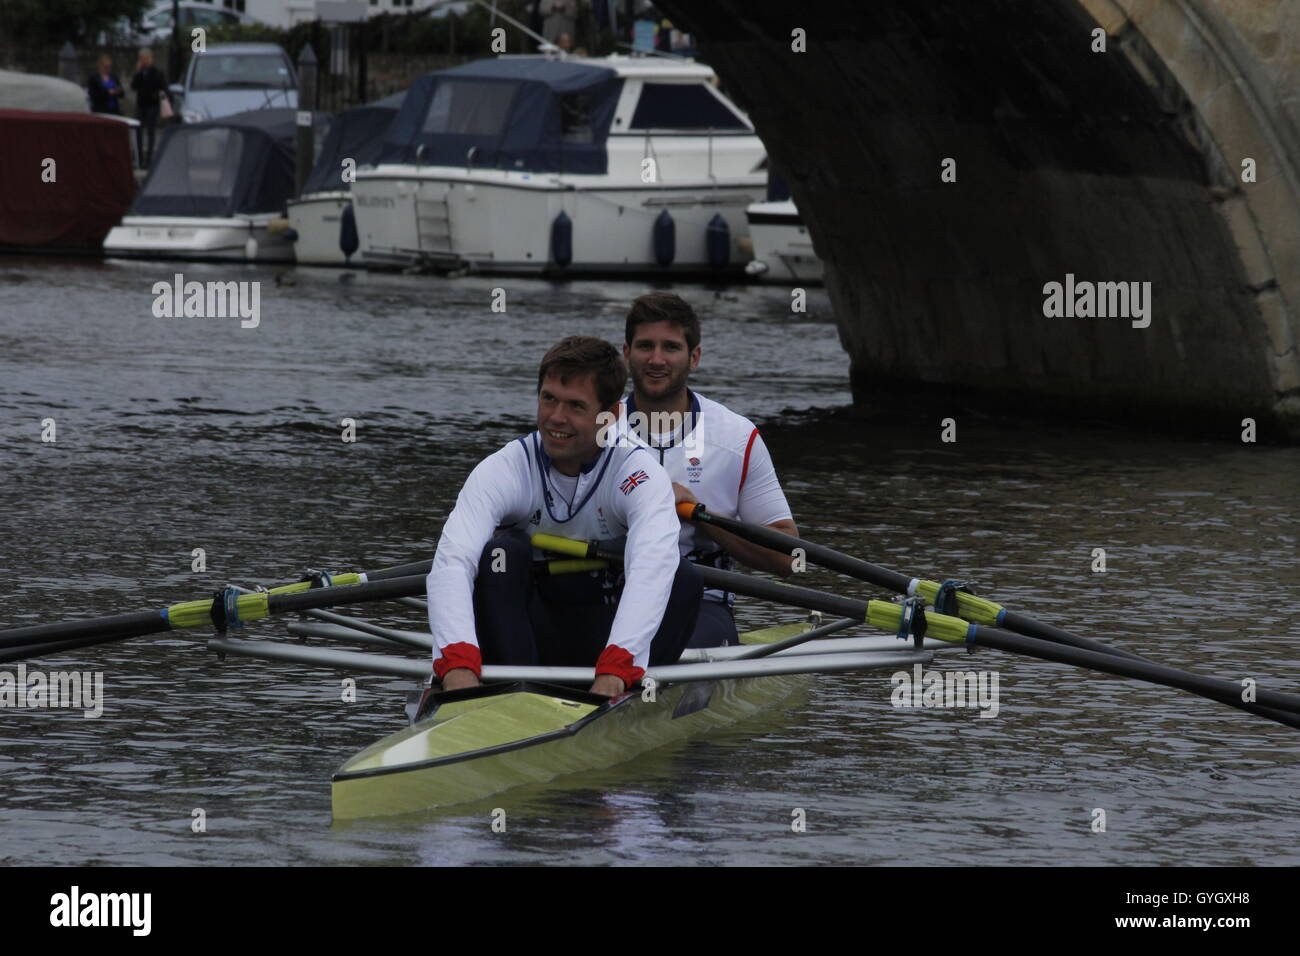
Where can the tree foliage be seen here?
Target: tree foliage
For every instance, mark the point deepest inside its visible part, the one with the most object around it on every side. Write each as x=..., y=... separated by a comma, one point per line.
x=51, y=22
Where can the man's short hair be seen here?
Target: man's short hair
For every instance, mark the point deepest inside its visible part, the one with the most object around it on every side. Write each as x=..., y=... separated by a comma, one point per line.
x=584, y=355
x=663, y=307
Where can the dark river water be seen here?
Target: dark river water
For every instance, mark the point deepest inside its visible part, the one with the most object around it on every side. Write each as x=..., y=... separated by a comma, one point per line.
x=176, y=434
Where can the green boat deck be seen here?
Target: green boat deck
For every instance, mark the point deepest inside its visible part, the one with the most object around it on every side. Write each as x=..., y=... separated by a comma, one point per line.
x=488, y=739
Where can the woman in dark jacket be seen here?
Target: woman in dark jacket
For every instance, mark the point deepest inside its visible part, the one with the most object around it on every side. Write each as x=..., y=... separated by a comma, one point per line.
x=150, y=86
x=106, y=92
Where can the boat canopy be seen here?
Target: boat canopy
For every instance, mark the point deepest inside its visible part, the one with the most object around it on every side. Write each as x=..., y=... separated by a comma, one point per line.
x=237, y=164
x=92, y=189
x=356, y=134
x=532, y=115
x=47, y=94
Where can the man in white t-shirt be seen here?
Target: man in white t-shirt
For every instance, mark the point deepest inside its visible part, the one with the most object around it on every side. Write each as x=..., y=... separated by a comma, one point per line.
x=489, y=599
x=711, y=454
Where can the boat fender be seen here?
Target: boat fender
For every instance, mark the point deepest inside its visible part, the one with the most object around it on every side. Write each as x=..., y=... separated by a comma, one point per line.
x=717, y=241
x=665, y=239
x=289, y=235
x=562, y=239
x=250, y=248
x=349, y=242
x=277, y=227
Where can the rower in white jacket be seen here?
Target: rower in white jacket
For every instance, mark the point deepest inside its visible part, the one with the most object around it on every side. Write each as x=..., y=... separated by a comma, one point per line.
x=711, y=454
x=489, y=602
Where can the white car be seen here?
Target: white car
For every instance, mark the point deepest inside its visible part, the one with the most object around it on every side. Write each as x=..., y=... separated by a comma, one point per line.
x=232, y=78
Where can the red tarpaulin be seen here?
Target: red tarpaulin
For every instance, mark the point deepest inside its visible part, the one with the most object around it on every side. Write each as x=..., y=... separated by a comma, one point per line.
x=92, y=188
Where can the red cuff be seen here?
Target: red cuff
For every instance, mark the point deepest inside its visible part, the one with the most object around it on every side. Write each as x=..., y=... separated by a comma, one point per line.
x=614, y=660
x=460, y=654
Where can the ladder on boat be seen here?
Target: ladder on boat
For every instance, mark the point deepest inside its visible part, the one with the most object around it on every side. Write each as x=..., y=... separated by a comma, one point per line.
x=433, y=227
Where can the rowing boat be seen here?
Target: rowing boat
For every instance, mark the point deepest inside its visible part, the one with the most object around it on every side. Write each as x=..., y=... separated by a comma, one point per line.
x=480, y=741
x=527, y=724
x=484, y=740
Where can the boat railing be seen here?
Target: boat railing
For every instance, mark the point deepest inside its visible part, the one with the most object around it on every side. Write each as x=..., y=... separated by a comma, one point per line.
x=638, y=52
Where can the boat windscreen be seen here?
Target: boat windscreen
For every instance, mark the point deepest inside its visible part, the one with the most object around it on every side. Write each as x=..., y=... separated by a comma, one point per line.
x=198, y=172
x=524, y=115
x=469, y=108
x=682, y=106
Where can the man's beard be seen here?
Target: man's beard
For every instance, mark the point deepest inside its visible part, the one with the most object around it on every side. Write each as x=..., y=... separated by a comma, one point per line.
x=673, y=386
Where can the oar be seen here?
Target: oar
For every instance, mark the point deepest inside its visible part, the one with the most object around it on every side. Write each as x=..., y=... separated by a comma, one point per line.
x=1281, y=707
x=976, y=609
x=24, y=642
x=764, y=650
x=973, y=608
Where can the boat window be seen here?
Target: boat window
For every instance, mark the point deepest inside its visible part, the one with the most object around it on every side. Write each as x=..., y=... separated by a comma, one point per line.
x=469, y=108
x=575, y=118
x=682, y=106
x=202, y=163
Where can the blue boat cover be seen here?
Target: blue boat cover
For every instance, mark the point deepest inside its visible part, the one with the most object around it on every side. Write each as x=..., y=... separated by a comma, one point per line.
x=237, y=164
x=531, y=115
x=356, y=134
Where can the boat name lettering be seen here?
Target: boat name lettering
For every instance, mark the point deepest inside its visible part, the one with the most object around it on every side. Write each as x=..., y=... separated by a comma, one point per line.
x=375, y=202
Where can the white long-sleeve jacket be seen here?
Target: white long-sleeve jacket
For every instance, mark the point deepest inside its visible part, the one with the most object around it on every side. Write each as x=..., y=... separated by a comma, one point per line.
x=624, y=500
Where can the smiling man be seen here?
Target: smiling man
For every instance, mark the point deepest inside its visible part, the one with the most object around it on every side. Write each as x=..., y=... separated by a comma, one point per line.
x=489, y=602
x=712, y=454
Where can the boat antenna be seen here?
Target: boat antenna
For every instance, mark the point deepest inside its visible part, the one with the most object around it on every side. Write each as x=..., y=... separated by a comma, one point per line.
x=541, y=40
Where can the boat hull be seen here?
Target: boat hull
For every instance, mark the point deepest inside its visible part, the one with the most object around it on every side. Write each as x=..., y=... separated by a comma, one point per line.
x=505, y=224
x=783, y=250
x=316, y=219
x=200, y=238
x=491, y=739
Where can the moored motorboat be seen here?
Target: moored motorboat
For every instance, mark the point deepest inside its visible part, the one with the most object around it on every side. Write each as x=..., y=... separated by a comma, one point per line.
x=538, y=165
x=322, y=219
x=214, y=190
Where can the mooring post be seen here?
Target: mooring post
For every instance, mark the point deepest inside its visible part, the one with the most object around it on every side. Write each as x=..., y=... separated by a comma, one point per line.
x=305, y=141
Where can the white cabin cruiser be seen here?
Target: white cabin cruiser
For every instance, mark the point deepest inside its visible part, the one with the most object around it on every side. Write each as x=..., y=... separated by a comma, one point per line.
x=783, y=250
x=214, y=190
x=530, y=164
x=324, y=230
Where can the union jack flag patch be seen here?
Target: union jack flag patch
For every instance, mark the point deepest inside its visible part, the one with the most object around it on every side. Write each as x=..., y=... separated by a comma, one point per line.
x=632, y=480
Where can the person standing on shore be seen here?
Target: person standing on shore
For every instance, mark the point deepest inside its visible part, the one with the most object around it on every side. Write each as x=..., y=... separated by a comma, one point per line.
x=106, y=92
x=150, y=88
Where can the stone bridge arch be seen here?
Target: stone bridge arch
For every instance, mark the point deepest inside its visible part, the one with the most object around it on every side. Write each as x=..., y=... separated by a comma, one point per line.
x=1123, y=165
